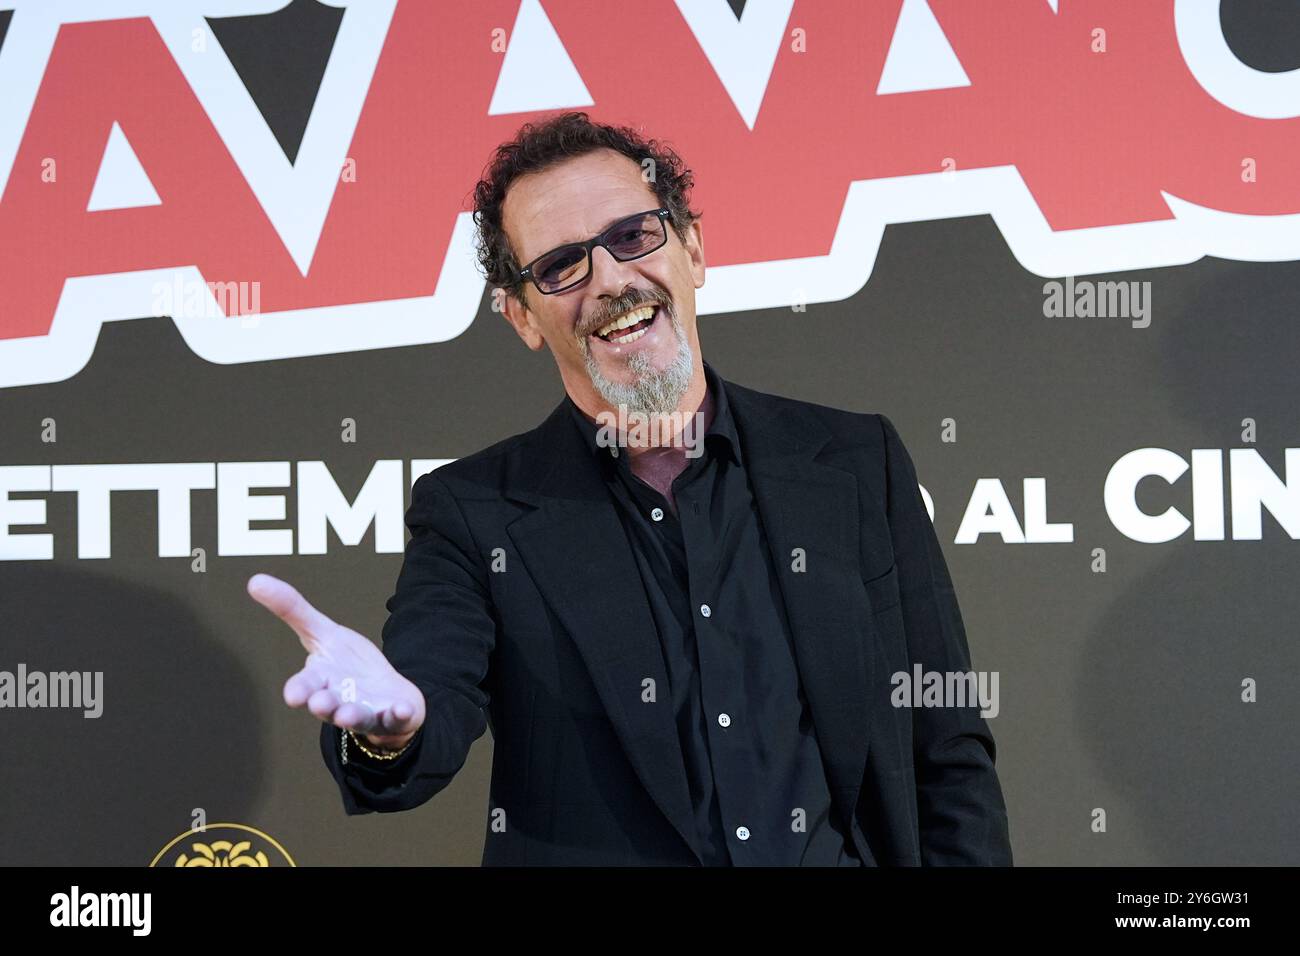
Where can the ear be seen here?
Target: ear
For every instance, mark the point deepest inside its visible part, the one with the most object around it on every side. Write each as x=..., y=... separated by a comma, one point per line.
x=695, y=251
x=523, y=321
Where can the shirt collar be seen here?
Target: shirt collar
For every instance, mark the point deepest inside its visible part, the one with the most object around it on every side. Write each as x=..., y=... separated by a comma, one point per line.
x=720, y=436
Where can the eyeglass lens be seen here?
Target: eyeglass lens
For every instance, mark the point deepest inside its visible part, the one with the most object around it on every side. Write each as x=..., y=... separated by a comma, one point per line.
x=633, y=237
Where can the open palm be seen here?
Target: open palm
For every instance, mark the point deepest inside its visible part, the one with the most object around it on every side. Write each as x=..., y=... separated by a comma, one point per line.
x=347, y=681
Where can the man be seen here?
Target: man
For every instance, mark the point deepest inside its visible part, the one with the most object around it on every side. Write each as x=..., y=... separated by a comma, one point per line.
x=677, y=603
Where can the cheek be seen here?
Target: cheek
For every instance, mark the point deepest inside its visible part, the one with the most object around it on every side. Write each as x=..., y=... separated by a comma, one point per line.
x=561, y=329
x=679, y=282
x=672, y=276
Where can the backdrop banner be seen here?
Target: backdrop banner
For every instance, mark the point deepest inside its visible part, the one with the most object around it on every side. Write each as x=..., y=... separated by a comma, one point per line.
x=1056, y=242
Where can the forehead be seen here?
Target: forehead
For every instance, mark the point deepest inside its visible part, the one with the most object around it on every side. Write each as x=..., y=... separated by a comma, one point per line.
x=572, y=201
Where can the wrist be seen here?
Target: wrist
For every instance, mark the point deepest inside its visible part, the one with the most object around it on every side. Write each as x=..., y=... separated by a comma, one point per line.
x=388, y=743
x=386, y=747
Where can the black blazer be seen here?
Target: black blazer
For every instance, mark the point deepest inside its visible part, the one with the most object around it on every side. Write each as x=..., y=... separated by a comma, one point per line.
x=519, y=607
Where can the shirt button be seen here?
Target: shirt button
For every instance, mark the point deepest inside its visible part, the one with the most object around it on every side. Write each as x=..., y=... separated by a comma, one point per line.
x=724, y=720
x=706, y=610
x=657, y=514
x=742, y=833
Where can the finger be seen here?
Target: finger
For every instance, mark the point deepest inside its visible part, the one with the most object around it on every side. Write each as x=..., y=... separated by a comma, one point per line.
x=384, y=722
x=394, y=720
x=356, y=717
x=299, y=687
x=322, y=704
x=286, y=603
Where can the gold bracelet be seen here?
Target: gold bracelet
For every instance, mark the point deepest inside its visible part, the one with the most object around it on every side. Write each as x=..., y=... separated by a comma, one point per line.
x=382, y=755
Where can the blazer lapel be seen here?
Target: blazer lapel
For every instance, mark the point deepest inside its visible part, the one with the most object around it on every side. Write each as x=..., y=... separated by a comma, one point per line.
x=811, y=505
x=574, y=547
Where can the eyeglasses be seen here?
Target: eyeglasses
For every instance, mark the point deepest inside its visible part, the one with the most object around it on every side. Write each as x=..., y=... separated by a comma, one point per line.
x=566, y=266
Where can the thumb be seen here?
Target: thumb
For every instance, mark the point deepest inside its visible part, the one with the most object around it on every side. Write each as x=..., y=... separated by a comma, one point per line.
x=283, y=600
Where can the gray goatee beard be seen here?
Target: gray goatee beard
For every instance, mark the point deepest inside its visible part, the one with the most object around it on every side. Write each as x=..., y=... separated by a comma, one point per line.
x=652, y=391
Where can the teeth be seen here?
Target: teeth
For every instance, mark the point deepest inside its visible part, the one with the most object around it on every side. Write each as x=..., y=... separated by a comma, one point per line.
x=631, y=318
x=630, y=338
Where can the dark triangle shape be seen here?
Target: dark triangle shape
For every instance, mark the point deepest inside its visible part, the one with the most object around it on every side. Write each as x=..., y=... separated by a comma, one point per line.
x=1264, y=36
x=281, y=58
x=737, y=7
x=5, y=17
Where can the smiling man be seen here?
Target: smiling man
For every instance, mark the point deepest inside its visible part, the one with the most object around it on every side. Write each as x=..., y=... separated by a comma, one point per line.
x=682, y=638
x=620, y=342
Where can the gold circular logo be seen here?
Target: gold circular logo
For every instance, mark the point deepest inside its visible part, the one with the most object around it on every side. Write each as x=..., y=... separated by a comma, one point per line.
x=223, y=844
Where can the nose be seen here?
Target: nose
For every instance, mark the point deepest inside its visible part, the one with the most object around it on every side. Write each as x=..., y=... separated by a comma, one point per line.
x=609, y=277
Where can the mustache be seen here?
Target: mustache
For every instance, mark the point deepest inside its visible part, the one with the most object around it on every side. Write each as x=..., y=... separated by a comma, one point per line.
x=634, y=299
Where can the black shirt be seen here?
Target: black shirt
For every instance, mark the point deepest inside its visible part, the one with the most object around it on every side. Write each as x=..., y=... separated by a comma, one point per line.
x=755, y=772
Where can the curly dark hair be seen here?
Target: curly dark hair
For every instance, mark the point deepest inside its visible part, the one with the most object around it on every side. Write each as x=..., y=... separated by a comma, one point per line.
x=538, y=146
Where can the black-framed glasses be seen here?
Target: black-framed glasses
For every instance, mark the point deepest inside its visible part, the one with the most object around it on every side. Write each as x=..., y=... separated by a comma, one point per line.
x=566, y=266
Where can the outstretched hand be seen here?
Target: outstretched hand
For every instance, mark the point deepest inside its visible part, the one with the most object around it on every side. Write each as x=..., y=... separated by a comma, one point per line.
x=346, y=681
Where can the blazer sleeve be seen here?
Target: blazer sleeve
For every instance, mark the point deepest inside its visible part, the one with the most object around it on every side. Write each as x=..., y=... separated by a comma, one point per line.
x=961, y=813
x=440, y=634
